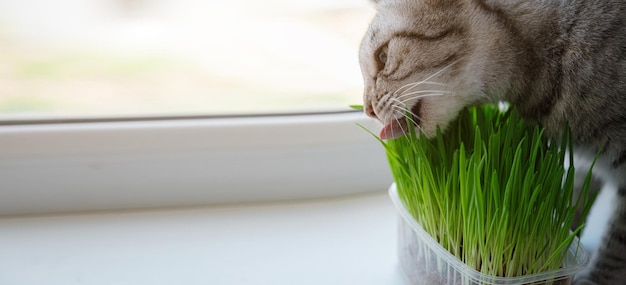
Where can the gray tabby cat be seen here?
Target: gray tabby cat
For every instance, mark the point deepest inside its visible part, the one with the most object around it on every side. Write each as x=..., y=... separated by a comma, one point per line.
x=556, y=61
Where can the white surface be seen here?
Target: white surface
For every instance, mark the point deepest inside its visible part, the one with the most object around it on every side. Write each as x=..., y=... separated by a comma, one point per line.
x=340, y=241
x=130, y=165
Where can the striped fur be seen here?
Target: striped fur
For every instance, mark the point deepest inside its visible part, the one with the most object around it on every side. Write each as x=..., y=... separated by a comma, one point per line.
x=557, y=62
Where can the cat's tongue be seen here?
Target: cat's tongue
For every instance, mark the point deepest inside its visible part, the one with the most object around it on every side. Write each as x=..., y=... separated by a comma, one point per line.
x=394, y=129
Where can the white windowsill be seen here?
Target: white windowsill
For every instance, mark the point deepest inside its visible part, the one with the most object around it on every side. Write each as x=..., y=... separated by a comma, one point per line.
x=350, y=240
x=336, y=241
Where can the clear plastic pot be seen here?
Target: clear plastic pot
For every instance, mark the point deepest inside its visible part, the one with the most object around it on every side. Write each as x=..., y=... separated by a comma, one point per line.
x=424, y=262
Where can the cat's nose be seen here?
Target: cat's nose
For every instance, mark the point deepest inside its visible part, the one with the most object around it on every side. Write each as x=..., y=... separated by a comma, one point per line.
x=369, y=110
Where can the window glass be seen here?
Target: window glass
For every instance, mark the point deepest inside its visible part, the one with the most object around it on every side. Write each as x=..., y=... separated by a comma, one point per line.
x=111, y=58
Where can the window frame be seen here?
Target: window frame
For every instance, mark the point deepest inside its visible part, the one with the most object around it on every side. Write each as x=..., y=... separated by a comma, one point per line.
x=187, y=161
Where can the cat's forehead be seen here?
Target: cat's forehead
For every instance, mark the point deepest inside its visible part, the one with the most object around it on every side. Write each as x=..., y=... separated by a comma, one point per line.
x=385, y=24
x=394, y=17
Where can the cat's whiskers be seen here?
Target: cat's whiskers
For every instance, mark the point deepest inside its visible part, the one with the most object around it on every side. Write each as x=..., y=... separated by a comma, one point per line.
x=397, y=119
x=431, y=76
x=404, y=108
x=387, y=100
x=407, y=90
x=399, y=124
x=429, y=93
x=383, y=100
x=404, y=112
x=415, y=84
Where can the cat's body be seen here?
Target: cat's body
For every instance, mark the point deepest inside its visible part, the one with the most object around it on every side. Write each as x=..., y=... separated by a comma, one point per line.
x=557, y=62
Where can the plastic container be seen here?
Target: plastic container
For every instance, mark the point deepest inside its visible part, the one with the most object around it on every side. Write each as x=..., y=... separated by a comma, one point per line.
x=424, y=262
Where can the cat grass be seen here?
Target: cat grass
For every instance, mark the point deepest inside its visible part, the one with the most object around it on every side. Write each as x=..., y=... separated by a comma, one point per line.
x=492, y=190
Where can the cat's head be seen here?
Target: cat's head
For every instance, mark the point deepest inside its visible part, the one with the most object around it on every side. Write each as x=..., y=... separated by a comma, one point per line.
x=431, y=58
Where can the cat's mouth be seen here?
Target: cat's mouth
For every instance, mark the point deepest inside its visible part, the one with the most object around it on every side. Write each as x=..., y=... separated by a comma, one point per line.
x=400, y=126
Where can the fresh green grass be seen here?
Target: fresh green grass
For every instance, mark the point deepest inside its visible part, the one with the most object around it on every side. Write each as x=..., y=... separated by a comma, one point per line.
x=492, y=190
